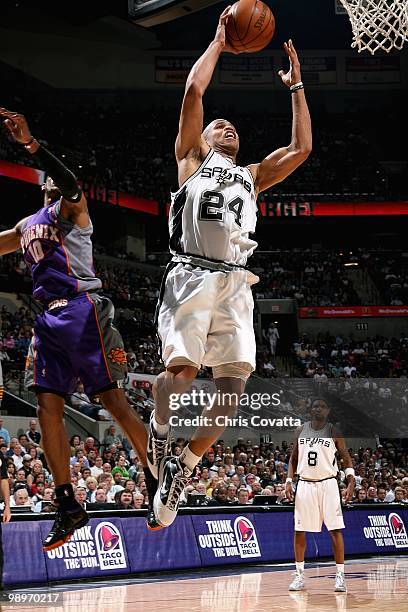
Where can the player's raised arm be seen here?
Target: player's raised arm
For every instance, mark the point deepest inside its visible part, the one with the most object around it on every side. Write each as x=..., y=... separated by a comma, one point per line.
x=189, y=141
x=73, y=200
x=346, y=464
x=282, y=162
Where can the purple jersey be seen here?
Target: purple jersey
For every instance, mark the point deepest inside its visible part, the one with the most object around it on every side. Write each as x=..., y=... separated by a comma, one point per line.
x=59, y=255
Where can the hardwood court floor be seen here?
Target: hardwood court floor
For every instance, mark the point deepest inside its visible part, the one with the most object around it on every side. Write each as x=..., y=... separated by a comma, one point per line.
x=373, y=585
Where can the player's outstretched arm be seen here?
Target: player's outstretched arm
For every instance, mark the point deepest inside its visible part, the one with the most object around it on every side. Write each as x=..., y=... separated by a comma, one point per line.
x=189, y=139
x=347, y=464
x=73, y=200
x=282, y=162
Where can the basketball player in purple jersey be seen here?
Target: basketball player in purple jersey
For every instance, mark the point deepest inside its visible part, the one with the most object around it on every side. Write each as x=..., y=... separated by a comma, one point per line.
x=74, y=338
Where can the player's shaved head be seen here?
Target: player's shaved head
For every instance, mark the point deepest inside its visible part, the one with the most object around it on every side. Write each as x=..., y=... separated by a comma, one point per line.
x=222, y=136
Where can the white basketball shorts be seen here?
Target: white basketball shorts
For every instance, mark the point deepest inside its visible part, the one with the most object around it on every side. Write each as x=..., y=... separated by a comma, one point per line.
x=207, y=316
x=317, y=503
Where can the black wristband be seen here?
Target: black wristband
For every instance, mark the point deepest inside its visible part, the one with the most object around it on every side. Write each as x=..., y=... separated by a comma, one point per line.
x=26, y=144
x=60, y=174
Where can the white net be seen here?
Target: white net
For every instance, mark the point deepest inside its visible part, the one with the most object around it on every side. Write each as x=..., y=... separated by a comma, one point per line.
x=378, y=24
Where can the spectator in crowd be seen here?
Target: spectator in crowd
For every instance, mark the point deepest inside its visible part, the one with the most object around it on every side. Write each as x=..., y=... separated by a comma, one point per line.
x=243, y=497
x=96, y=469
x=381, y=493
x=361, y=496
x=80, y=496
x=33, y=436
x=99, y=497
x=371, y=495
x=45, y=504
x=219, y=497
x=121, y=467
x=112, y=437
x=21, y=498
x=124, y=500
x=401, y=496
x=4, y=432
x=138, y=500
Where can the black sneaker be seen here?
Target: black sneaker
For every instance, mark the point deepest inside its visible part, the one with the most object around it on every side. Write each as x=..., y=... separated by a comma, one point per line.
x=157, y=449
x=151, y=486
x=64, y=526
x=173, y=479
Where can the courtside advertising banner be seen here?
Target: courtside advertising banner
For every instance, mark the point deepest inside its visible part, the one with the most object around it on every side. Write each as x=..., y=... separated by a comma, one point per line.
x=98, y=549
x=124, y=545
x=370, y=531
x=167, y=549
x=24, y=559
x=227, y=539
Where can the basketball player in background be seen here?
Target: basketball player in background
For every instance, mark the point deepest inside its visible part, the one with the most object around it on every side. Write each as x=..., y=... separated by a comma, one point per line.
x=74, y=337
x=205, y=312
x=272, y=336
x=317, y=498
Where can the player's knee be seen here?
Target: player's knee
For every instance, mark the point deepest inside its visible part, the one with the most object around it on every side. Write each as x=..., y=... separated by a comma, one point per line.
x=176, y=379
x=49, y=411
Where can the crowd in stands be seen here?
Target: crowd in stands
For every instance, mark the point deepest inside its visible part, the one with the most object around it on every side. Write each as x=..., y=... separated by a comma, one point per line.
x=312, y=277
x=133, y=152
x=109, y=472
x=389, y=271
x=333, y=357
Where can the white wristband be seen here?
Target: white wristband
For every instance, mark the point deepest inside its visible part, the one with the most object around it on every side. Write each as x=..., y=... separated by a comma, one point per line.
x=296, y=86
x=288, y=480
x=349, y=472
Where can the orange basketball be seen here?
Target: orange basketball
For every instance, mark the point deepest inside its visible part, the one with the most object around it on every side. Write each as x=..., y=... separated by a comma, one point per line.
x=250, y=26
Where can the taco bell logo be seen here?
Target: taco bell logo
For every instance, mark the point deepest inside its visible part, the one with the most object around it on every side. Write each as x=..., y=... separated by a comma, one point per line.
x=247, y=540
x=398, y=531
x=109, y=547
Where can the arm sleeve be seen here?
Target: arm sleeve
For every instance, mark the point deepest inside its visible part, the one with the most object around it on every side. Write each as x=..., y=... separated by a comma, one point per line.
x=61, y=175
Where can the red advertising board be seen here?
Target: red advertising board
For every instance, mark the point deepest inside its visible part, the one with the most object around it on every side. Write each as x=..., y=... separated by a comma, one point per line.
x=284, y=209
x=336, y=312
x=97, y=193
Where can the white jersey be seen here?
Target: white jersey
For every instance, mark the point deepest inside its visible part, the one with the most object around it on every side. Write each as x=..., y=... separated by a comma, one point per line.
x=214, y=212
x=316, y=453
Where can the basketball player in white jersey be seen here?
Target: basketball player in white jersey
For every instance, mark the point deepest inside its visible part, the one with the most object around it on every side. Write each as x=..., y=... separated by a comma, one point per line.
x=206, y=305
x=317, y=499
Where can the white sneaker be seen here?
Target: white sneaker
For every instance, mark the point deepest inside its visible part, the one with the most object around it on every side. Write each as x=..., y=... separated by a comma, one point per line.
x=173, y=479
x=298, y=583
x=340, y=583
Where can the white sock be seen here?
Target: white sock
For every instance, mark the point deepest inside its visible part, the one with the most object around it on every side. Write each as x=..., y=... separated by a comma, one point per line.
x=300, y=566
x=161, y=430
x=340, y=567
x=189, y=458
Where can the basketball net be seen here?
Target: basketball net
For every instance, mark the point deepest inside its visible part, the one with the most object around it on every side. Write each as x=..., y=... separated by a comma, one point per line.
x=378, y=24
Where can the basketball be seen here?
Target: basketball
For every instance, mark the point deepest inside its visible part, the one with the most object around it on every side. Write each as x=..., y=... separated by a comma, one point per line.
x=251, y=26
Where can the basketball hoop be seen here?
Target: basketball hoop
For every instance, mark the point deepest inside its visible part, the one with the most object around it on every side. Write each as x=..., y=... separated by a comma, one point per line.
x=378, y=24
